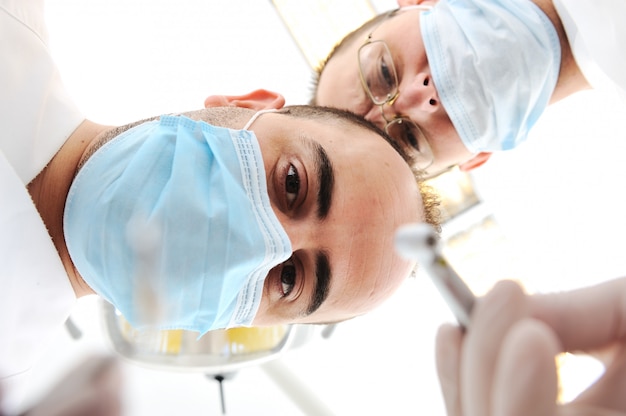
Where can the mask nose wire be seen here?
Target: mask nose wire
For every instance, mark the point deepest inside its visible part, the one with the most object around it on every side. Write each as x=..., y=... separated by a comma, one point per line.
x=256, y=115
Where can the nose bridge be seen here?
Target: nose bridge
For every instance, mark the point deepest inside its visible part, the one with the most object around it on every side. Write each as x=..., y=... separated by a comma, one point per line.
x=381, y=115
x=300, y=235
x=375, y=116
x=419, y=94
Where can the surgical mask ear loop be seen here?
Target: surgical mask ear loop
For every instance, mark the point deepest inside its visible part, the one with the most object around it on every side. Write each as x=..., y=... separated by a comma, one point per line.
x=256, y=115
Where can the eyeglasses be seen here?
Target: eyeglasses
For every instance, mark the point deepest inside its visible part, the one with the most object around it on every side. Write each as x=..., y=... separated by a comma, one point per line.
x=380, y=81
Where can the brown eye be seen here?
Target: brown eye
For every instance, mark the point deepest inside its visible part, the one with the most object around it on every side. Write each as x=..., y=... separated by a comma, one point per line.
x=292, y=185
x=405, y=132
x=386, y=76
x=288, y=277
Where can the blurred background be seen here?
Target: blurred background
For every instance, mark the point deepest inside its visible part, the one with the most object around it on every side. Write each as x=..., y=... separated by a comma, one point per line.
x=550, y=214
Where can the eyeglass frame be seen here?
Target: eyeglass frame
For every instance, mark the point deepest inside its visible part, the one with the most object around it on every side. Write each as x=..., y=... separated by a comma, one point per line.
x=391, y=98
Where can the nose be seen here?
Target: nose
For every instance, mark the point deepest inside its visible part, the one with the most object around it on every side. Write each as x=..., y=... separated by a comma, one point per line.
x=419, y=94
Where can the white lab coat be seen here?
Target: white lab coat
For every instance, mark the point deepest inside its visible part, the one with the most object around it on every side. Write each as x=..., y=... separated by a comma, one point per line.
x=36, y=117
x=596, y=31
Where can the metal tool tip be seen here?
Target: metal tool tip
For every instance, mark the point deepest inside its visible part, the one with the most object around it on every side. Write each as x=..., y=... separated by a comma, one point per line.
x=413, y=241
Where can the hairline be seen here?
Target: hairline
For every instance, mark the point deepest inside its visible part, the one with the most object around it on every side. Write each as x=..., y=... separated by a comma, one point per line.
x=430, y=199
x=344, y=43
x=345, y=116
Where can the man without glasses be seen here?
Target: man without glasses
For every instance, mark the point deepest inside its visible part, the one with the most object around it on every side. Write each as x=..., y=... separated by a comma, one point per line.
x=224, y=217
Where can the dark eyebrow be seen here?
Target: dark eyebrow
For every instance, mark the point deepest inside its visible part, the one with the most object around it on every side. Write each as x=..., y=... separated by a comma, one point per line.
x=326, y=180
x=322, y=274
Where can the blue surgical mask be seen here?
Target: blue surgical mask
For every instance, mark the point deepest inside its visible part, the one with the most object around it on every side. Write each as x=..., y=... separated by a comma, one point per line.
x=495, y=64
x=171, y=222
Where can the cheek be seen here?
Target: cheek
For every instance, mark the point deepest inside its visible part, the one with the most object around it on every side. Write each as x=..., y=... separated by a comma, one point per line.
x=263, y=316
x=455, y=150
x=259, y=319
x=448, y=153
x=444, y=140
x=270, y=157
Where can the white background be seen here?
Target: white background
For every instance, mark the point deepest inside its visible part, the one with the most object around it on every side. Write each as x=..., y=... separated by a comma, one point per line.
x=559, y=197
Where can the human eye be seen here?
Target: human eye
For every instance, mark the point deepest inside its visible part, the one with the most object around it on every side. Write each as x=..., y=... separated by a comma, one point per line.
x=292, y=185
x=386, y=76
x=411, y=136
x=288, y=276
x=381, y=79
x=405, y=132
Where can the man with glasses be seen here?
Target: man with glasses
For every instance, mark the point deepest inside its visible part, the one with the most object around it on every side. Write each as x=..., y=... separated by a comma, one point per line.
x=472, y=76
x=380, y=83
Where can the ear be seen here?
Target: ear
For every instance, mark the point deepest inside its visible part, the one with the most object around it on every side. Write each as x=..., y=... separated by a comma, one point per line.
x=404, y=3
x=475, y=162
x=255, y=100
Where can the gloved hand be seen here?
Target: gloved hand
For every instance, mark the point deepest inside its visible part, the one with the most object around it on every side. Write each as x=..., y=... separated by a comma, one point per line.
x=504, y=364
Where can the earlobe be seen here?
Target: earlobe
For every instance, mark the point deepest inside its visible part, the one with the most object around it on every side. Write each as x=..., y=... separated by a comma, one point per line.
x=255, y=100
x=475, y=162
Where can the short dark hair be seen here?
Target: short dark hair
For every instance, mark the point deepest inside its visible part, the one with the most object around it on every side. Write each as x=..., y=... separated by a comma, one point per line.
x=430, y=198
x=328, y=113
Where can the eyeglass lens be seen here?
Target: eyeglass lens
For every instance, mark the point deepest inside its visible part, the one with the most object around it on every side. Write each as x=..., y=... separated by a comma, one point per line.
x=380, y=82
x=378, y=72
x=411, y=138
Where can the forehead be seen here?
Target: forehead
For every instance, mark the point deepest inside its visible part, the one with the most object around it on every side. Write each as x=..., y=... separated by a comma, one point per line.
x=375, y=193
x=339, y=84
x=401, y=25
x=358, y=149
